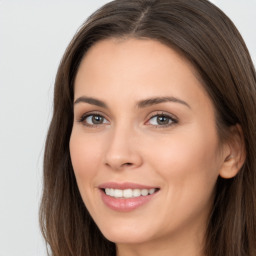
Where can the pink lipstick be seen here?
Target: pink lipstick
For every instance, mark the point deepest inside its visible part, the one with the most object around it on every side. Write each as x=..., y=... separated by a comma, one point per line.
x=126, y=197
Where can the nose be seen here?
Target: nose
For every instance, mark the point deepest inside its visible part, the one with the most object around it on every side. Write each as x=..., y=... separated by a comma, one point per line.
x=122, y=151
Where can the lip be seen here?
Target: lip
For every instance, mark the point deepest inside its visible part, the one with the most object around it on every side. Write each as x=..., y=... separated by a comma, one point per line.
x=124, y=185
x=125, y=204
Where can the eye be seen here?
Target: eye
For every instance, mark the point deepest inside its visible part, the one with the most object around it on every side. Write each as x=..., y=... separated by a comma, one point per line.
x=93, y=119
x=162, y=120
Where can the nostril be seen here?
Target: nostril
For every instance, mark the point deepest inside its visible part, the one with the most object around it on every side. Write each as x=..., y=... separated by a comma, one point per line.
x=127, y=164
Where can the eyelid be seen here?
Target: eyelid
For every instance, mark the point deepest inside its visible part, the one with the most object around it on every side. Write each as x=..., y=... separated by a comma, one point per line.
x=91, y=113
x=174, y=119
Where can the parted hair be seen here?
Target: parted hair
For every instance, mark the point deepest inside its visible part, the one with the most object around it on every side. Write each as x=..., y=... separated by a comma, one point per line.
x=207, y=38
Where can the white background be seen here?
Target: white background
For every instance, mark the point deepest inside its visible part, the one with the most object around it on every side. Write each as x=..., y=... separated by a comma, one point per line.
x=33, y=37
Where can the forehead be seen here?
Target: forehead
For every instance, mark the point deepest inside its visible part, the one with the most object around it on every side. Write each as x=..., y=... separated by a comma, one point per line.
x=134, y=51
x=135, y=68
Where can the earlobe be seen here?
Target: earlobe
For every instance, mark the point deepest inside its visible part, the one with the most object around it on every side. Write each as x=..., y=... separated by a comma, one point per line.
x=234, y=153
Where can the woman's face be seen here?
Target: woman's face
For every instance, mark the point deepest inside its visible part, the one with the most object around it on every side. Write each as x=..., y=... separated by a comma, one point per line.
x=144, y=133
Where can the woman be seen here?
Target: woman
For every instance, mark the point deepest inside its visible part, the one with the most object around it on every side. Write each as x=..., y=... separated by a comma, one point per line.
x=151, y=149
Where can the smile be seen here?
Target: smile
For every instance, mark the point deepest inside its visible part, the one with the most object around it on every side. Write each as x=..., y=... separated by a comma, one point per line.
x=125, y=197
x=129, y=193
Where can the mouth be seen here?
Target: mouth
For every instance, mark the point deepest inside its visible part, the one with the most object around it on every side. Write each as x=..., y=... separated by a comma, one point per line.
x=125, y=197
x=129, y=193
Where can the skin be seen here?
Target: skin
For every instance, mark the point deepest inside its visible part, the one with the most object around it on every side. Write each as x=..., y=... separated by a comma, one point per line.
x=183, y=159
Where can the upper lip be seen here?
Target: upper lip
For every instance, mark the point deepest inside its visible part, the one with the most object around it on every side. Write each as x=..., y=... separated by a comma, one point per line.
x=125, y=185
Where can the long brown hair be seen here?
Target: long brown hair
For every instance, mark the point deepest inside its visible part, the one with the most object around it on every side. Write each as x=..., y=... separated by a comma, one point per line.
x=209, y=40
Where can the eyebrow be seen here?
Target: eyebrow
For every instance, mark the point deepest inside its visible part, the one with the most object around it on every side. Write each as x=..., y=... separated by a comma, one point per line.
x=158, y=100
x=91, y=101
x=140, y=104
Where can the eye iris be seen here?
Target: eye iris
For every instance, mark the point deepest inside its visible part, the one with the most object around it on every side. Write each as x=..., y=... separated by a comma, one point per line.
x=162, y=120
x=97, y=119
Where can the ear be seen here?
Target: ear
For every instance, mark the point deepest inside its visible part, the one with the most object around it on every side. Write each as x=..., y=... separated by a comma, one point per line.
x=234, y=153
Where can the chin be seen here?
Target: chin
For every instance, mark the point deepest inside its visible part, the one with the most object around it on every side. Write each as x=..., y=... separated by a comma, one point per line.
x=125, y=235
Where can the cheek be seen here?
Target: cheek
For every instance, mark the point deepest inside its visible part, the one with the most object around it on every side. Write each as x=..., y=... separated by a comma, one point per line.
x=188, y=166
x=85, y=157
x=188, y=162
x=194, y=147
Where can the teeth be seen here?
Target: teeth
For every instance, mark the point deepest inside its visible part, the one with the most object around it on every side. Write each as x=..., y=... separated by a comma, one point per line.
x=144, y=192
x=151, y=191
x=118, y=193
x=129, y=193
x=136, y=192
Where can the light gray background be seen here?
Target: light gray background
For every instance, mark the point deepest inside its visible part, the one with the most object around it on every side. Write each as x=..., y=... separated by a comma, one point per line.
x=33, y=37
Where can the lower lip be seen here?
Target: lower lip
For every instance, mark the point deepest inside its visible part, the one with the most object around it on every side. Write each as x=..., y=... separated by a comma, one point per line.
x=125, y=204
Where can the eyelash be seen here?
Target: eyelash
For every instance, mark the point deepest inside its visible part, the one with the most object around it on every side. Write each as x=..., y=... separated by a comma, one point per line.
x=171, y=119
x=84, y=116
